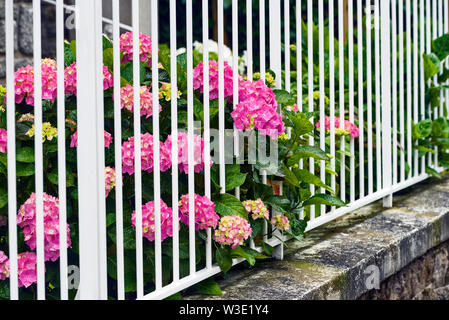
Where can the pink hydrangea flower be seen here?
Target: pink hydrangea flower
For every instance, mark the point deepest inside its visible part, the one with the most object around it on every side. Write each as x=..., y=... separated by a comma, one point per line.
x=3, y=140
x=349, y=128
x=183, y=160
x=126, y=46
x=26, y=265
x=4, y=266
x=146, y=155
x=257, y=208
x=74, y=139
x=281, y=222
x=146, y=100
x=257, y=109
x=24, y=82
x=294, y=108
x=205, y=216
x=198, y=78
x=148, y=221
x=26, y=219
x=70, y=79
x=233, y=231
x=109, y=179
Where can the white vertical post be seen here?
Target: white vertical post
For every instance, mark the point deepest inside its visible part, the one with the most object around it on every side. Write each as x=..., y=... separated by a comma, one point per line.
x=88, y=152
x=386, y=99
x=275, y=40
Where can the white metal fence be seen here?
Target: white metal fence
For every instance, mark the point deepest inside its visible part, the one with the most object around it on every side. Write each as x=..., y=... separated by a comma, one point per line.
x=380, y=89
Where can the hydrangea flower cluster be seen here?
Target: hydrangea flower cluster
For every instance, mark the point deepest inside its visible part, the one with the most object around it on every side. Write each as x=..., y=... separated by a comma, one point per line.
x=26, y=117
x=70, y=79
x=26, y=266
x=126, y=46
x=26, y=219
x=146, y=100
x=109, y=174
x=257, y=208
x=2, y=94
x=257, y=109
x=349, y=128
x=165, y=92
x=3, y=140
x=198, y=153
x=281, y=222
x=146, y=155
x=4, y=266
x=48, y=132
x=74, y=139
x=205, y=216
x=233, y=231
x=24, y=82
x=198, y=80
x=148, y=221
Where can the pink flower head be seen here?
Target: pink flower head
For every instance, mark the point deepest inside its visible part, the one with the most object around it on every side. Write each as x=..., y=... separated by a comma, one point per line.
x=183, y=159
x=126, y=46
x=146, y=100
x=148, y=221
x=233, y=231
x=3, y=140
x=70, y=79
x=281, y=222
x=146, y=155
x=26, y=219
x=257, y=208
x=198, y=80
x=109, y=174
x=4, y=266
x=26, y=265
x=24, y=82
x=349, y=129
x=74, y=139
x=294, y=108
x=205, y=216
x=257, y=109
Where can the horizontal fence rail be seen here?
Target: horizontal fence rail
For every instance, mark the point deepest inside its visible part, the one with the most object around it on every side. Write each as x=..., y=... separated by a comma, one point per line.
x=355, y=68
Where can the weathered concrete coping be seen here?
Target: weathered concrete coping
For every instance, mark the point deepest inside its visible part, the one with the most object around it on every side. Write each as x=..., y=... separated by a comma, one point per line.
x=335, y=261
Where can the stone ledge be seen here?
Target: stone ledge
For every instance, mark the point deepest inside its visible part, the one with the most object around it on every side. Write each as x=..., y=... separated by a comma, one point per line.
x=331, y=262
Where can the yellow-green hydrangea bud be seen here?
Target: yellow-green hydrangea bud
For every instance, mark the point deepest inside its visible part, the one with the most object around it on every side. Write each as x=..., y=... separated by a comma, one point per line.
x=48, y=132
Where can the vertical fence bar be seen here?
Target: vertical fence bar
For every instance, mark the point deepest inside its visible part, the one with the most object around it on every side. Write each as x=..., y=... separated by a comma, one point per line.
x=310, y=92
x=435, y=78
x=275, y=40
x=332, y=93
x=174, y=135
x=61, y=151
x=422, y=44
x=156, y=141
x=321, y=100
x=415, y=81
x=401, y=89
x=118, y=153
x=361, y=108
x=341, y=76
x=262, y=39
x=408, y=28
x=207, y=160
x=440, y=33
x=249, y=38
x=299, y=66
x=377, y=97
x=102, y=240
x=137, y=148
x=88, y=152
x=369, y=99
x=38, y=150
x=287, y=43
x=428, y=48
x=386, y=100
x=11, y=147
x=394, y=90
x=351, y=98
x=190, y=124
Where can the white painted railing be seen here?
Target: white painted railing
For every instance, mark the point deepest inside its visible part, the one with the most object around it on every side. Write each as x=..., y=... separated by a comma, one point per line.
x=380, y=30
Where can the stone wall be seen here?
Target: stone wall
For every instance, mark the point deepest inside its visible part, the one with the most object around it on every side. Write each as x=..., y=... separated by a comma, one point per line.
x=23, y=33
x=426, y=278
